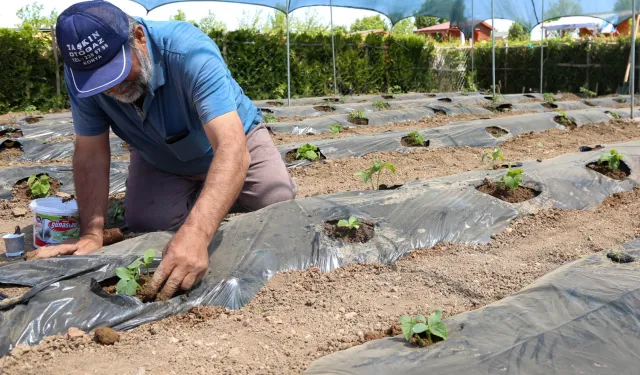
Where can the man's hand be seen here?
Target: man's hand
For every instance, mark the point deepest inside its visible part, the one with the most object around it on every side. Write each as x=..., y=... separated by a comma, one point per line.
x=85, y=245
x=185, y=260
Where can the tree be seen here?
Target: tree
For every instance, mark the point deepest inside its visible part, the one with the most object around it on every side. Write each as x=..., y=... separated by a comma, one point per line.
x=426, y=21
x=210, y=23
x=404, y=27
x=276, y=23
x=561, y=8
x=310, y=24
x=518, y=32
x=340, y=29
x=181, y=16
x=251, y=21
x=369, y=23
x=31, y=17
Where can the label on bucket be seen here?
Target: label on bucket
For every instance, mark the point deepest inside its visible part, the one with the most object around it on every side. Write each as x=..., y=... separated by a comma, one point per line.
x=54, y=230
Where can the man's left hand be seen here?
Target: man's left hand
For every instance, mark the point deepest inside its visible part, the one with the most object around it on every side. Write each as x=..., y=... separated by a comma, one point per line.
x=185, y=260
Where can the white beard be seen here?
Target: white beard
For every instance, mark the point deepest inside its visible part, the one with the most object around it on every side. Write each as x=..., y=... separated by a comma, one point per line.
x=135, y=89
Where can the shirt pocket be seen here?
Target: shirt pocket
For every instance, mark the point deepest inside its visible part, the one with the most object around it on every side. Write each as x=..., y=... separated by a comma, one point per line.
x=194, y=146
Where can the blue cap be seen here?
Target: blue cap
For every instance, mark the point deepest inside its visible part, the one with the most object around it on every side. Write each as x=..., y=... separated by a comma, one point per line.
x=92, y=37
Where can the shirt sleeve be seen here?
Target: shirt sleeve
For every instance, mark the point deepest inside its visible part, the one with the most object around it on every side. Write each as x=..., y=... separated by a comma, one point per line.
x=208, y=82
x=88, y=118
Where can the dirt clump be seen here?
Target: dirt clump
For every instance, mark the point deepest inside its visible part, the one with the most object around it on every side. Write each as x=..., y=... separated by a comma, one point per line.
x=617, y=174
x=111, y=236
x=106, y=336
x=392, y=331
x=517, y=195
x=362, y=234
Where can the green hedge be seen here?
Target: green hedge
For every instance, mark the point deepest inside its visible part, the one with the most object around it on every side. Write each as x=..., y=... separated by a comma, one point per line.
x=375, y=64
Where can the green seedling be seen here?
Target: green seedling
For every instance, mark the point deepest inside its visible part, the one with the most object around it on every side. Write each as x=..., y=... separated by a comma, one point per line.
x=269, y=118
x=395, y=90
x=335, y=129
x=377, y=168
x=308, y=152
x=344, y=100
x=587, y=92
x=549, y=97
x=614, y=115
x=116, y=212
x=357, y=114
x=621, y=99
x=130, y=275
x=416, y=138
x=30, y=110
x=420, y=326
x=497, y=99
x=495, y=155
x=511, y=179
x=351, y=223
x=39, y=186
x=613, y=158
x=380, y=104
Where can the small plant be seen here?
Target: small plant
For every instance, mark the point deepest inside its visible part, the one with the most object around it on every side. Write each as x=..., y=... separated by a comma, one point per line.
x=39, y=186
x=614, y=115
x=335, y=129
x=497, y=99
x=511, y=179
x=357, y=114
x=549, y=97
x=620, y=99
x=613, y=158
x=416, y=138
x=308, y=152
x=395, y=90
x=419, y=327
x=30, y=110
x=116, y=212
x=344, y=99
x=495, y=155
x=351, y=223
x=269, y=118
x=130, y=275
x=377, y=167
x=380, y=104
x=587, y=92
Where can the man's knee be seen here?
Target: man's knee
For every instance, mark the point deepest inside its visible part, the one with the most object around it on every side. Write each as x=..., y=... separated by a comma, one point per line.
x=269, y=193
x=149, y=219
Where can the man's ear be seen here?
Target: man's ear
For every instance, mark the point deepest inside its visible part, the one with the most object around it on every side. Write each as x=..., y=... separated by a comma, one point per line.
x=141, y=38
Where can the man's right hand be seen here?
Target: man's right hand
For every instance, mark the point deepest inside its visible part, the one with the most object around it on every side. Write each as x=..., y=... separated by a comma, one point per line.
x=84, y=245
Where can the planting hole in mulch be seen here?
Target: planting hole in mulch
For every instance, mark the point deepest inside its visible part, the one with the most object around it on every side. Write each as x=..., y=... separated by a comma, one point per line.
x=549, y=105
x=504, y=107
x=144, y=294
x=359, y=121
x=332, y=100
x=33, y=119
x=530, y=96
x=566, y=122
x=360, y=235
x=507, y=166
x=620, y=257
x=590, y=103
x=496, y=131
x=517, y=195
x=11, y=133
x=266, y=110
x=446, y=100
x=589, y=148
x=621, y=100
x=616, y=174
x=388, y=97
x=430, y=95
x=390, y=187
x=276, y=104
x=290, y=156
x=22, y=191
x=407, y=142
x=13, y=290
x=324, y=108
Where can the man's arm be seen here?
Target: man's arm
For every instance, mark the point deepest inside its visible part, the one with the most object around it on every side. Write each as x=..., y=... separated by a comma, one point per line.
x=91, y=160
x=186, y=258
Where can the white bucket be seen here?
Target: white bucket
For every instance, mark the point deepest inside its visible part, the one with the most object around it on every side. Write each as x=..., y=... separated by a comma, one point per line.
x=54, y=221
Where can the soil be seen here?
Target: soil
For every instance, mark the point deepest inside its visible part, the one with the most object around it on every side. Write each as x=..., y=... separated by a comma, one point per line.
x=13, y=290
x=496, y=131
x=407, y=142
x=324, y=108
x=10, y=155
x=363, y=234
x=358, y=121
x=424, y=341
x=620, y=257
x=299, y=316
x=569, y=97
x=111, y=236
x=332, y=176
x=616, y=174
x=517, y=195
x=290, y=156
x=566, y=122
x=143, y=293
x=106, y=336
x=276, y=103
x=33, y=119
x=11, y=134
x=22, y=191
x=549, y=105
x=424, y=123
x=445, y=100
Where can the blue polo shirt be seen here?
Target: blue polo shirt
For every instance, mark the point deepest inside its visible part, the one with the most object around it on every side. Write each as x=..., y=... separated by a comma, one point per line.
x=190, y=86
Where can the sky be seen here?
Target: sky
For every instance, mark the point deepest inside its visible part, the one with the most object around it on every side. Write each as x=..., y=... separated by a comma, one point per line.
x=228, y=12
